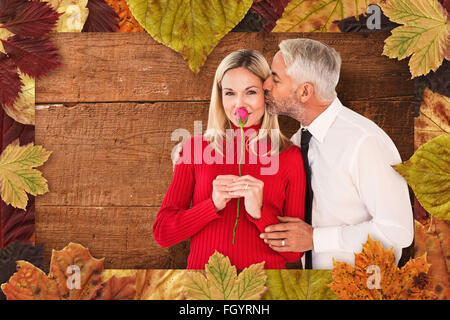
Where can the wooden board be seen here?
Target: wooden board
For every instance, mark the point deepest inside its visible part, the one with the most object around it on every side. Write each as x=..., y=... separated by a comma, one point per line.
x=110, y=131
x=133, y=67
x=119, y=154
x=122, y=235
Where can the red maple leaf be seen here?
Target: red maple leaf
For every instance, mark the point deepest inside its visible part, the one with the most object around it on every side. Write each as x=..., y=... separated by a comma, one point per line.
x=446, y=5
x=35, y=20
x=270, y=10
x=34, y=57
x=9, y=9
x=101, y=18
x=10, y=83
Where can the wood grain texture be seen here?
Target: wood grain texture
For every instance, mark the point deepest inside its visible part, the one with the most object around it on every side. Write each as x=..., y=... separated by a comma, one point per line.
x=109, y=114
x=123, y=236
x=120, y=154
x=133, y=67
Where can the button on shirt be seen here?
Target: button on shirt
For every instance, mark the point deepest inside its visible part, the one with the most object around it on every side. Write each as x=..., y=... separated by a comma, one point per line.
x=356, y=191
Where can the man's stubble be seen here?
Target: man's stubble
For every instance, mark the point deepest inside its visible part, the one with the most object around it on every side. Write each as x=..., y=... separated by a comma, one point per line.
x=290, y=107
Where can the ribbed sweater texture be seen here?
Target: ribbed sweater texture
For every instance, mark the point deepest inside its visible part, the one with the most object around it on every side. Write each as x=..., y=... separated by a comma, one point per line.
x=188, y=211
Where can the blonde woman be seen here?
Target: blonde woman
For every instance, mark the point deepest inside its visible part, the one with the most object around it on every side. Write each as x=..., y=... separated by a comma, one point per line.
x=207, y=175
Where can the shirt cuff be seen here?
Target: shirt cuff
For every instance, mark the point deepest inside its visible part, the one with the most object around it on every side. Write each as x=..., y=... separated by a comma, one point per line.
x=326, y=239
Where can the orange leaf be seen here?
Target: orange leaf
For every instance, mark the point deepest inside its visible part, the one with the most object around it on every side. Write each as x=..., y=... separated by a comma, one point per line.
x=30, y=283
x=127, y=23
x=90, y=271
x=123, y=288
x=376, y=276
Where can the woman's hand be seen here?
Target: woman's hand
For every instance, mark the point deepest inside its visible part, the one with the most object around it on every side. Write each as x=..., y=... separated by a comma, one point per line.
x=252, y=190
x=220, y=195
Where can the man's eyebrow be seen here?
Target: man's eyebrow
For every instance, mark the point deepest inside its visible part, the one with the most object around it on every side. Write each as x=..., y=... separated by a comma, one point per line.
x=275, y=74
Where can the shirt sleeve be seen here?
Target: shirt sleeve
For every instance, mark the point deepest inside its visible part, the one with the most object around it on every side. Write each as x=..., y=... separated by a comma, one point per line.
x=294, y=205
x=385, y=195
x=175, y=221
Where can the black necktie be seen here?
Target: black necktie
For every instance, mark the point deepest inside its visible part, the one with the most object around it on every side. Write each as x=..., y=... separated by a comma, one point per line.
x=306, y=137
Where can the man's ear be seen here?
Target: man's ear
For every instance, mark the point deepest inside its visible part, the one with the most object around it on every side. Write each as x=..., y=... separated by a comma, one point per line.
x=304, y=92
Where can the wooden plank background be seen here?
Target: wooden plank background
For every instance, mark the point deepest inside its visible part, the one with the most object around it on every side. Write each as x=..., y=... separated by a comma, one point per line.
x=109, y=112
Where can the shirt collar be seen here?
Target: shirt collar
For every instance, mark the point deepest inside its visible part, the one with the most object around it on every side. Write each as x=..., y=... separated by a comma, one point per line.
x=320, y=125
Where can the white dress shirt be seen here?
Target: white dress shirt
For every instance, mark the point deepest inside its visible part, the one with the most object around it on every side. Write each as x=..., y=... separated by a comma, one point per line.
x=356, y=191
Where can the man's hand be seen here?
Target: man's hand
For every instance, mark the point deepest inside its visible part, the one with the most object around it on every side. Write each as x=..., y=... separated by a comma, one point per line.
x=297, y=235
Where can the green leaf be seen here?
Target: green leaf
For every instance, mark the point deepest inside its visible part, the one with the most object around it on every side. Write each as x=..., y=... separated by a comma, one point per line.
x=192, y=28
x=299, y=285
x=17, y=176
x=428, y=174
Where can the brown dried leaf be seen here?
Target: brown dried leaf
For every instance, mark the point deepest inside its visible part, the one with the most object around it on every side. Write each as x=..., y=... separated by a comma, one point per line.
x=427, y=242
x=90, y=271
x=434, y=119
x=443, y=233
x=30, y=282
x=160, y=284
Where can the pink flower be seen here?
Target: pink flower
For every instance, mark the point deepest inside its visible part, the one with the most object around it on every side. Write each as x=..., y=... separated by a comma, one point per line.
x=241, y=116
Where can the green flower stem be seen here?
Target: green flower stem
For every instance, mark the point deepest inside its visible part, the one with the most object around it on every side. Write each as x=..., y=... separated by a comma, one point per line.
x=240, y=175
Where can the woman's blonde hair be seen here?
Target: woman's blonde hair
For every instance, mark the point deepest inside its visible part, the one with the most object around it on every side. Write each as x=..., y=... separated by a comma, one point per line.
x=218, y=121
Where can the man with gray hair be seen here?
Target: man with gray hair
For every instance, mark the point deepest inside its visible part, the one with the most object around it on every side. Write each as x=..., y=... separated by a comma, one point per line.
x=352, y=190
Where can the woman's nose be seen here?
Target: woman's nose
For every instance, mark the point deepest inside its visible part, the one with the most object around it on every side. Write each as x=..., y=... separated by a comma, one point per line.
x=240, y=100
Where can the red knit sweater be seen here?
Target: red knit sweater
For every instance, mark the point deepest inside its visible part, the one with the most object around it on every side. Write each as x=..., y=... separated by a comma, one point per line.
x=209, y=230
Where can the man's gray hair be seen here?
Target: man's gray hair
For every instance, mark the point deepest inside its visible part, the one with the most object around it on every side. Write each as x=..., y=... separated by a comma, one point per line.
x=312, y=61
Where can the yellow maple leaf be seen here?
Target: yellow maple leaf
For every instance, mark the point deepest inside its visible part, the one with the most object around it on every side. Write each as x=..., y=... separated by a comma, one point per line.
x=192, y=28
x=376, y=276
x=314, y=15
x=223, y=283
x=17, y=176
x=423, y=34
